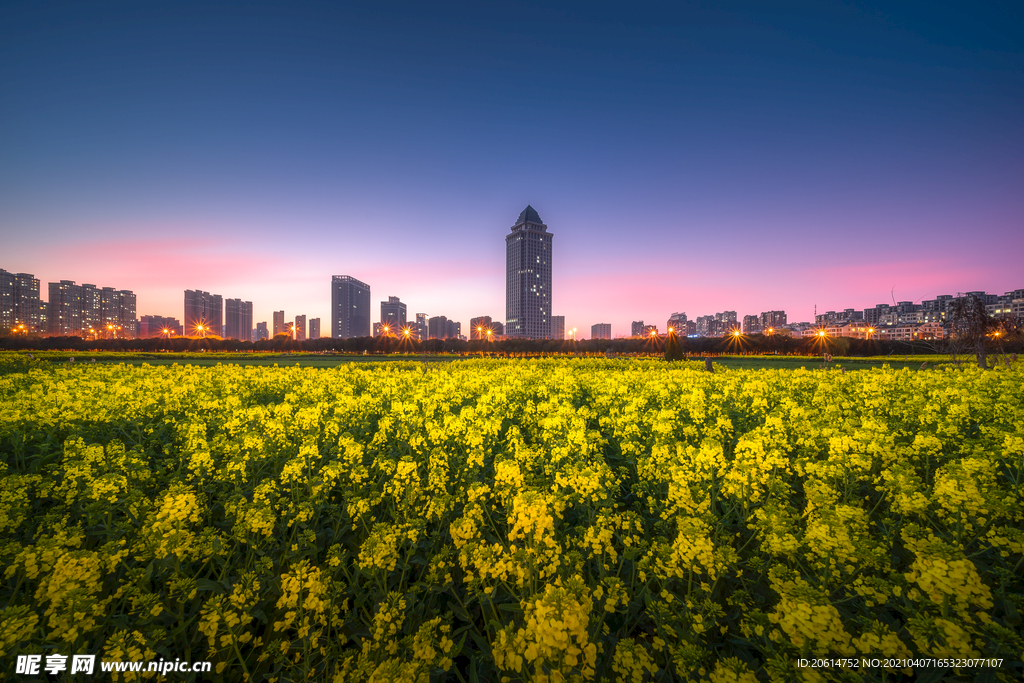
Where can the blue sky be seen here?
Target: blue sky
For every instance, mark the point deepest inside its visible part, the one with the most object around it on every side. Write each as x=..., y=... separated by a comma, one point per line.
x=687, y=157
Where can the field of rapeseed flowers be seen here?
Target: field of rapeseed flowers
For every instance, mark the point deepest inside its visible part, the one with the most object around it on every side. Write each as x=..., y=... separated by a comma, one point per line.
x=514, y=520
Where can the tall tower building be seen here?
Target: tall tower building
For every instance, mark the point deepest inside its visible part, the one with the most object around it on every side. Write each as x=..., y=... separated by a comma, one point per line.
x=314, y=328
x=300, y=328
x=558, y=327
x=350, y=307
x=393, y=314
x=238, y=319
x=528, y=278
x=279, y=327
x=19, y=301
x=203, y=308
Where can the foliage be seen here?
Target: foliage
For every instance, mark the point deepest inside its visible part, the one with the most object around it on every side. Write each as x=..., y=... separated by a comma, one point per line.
x=498, y=520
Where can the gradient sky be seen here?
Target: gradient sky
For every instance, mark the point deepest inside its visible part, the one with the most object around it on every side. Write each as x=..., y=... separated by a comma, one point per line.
x=686, y=157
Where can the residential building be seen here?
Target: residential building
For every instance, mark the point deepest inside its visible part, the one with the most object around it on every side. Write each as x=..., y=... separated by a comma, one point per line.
x=558, y=327
x=480, y=327
x=158, y=326
x=601, y=331
x=314, y=328
x=89, y=312
x=261, y=332
x=350, y=307
x=392, y=313
x=528, y=278
x=420, y=329
x=280, y=327
x=499, y=329
x=204, y=313
x=774, y=320
x=453, y=329
x=636, y=328
x=650, y=330
x=751, y=324
x=437, y=327
x=237, y=319
x=19, y=302
x=676, y=323
x=300, y=328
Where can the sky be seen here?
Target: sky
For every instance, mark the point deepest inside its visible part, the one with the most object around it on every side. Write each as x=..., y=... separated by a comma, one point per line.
x=692, y=157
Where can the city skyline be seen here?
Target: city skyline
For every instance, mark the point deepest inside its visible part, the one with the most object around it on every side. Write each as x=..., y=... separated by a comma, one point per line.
x=692, y=159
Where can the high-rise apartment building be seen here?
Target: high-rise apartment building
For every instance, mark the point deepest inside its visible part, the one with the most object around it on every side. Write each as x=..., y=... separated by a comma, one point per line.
x=558, y=327
x=601, y=331
x=314, y=328
x=300, y=328
x=350, y=307
x=279, y=326
x=261, y=332
x=392, y=314
x=237, y=319
x=422, y=332
x=636, y=328
x=751, y=324
x=528, y=278
x=86, y=311
x=19, y=302
x=158, y=326
x=677, y=324
x=206, y=310
x=479, y=328
x=775, y=320
x=498, y=328
x=437, y=327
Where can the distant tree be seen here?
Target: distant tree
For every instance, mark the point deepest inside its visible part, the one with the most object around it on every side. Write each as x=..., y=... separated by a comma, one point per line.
x=971, y=326
x=673, y=349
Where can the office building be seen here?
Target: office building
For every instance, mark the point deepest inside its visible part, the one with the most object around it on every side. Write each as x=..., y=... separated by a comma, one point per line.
x=279, y=325
x=479, y=328
x=237, y=319
x=205, y=310
x=300, y=328
x=350, y=307
x=558, y=327
x=262, y=332
x=601, y=331
x=314, y=328
x=528, y=278
x=158, y=326
x=392, y=314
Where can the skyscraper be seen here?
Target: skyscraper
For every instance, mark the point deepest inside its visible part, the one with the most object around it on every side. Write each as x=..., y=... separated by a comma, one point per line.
x=528, y=278
x=350, y=307
x=203, y=308
x=261, y=332
x=314, y=328
x=300, y=328
x=237, y=319
x=279, y=327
